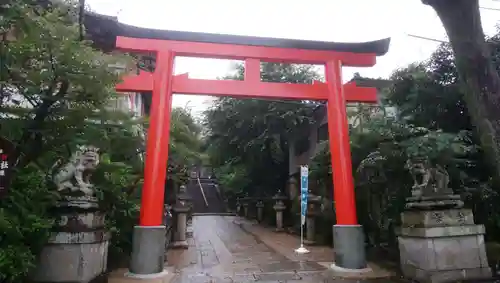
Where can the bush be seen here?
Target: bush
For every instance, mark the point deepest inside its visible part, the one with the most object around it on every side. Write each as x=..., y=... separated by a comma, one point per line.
x=116, y=184
x=25, y=223
x=380, y=148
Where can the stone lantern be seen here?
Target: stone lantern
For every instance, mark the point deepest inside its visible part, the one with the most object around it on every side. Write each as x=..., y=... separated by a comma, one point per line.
x=260, y=210
x=279, y=207
x=185, y=197
x=181, y=210
x=245, y=202
x=238, y=206
x=313, y=209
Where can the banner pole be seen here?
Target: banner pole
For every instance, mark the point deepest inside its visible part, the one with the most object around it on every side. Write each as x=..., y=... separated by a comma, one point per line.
x=304, y=179
x=301, y=231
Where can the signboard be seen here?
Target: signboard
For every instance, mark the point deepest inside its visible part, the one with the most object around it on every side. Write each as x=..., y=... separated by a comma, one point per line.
x=6, y=153
x=304, y=180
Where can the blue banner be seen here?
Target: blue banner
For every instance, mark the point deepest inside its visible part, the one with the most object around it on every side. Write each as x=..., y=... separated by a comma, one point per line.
x=304, y=180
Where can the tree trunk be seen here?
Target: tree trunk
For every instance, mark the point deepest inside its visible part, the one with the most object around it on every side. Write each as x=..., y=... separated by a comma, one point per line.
x=479, y=79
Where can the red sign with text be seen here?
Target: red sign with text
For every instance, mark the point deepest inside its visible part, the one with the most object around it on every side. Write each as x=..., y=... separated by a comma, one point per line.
x=6, y=153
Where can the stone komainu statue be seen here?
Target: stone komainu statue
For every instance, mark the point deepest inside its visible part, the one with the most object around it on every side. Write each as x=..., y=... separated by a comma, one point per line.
x=74, y=175
x=428, y=180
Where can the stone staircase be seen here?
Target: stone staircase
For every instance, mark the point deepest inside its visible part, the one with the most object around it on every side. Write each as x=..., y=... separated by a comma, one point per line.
x=208, y=201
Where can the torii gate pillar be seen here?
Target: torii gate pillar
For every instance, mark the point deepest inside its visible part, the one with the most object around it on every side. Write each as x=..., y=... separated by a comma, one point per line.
x=348, y=235
x=148, y=243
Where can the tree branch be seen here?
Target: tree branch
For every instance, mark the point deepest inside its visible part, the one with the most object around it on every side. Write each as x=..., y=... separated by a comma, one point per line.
x=31, y=138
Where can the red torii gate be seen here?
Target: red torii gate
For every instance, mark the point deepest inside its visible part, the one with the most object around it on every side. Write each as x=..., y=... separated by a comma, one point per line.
x=349, y=242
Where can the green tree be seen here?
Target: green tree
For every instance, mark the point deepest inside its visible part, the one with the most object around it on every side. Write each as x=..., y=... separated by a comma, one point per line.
x=434, y=117
x=478, y=76
x=185, y=145
x=430, y=95
x=424, y=96
x=54, y=88
x=380, y=148
x=185, y=140
x=249, y=137
x=55, y=93
x=49, y=78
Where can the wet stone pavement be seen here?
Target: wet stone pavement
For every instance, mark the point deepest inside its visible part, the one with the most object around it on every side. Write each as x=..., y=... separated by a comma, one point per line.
x=221, y=251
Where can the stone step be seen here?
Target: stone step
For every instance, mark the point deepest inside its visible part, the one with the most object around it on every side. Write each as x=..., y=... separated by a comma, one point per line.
x=214, y=200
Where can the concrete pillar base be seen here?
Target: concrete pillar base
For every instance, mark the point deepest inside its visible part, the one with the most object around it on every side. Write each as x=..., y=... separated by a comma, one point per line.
x=349, y=246
x=180, y=245
x=123, y=276
x=148, y=250
x=347, y=271
x=279, y=230
x=147, y=276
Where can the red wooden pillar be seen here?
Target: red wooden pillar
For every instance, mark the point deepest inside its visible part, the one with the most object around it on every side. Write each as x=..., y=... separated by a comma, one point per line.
x=338, y=129
x=348, y=235
x=157, y=142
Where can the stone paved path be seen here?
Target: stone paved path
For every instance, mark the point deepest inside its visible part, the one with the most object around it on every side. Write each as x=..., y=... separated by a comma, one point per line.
x=221, y=251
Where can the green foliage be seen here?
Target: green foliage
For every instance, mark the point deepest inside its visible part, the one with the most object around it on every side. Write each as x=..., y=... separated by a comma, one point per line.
x=115, y=184
x=118, y=179
x=247, y=139
x=320, y=170
x=185, y=144
x=380, y=148
x=184, y=135
x=25, y=223
x=433, y=122
x=54, y=93
x=49, y=78
x=429, y=95
x=233, y=177
x=426, y=96
x=57, y=92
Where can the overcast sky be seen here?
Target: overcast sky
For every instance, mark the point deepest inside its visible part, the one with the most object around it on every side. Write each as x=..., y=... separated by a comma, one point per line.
x=324, y=20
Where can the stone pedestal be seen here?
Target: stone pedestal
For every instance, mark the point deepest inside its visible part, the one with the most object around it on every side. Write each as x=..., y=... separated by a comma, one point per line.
x=189, y=230
x=77, y=250
x=238, y=207
x=310, y=230
x=313, y=205
x=181, y=210
x=439, y=242
x=245, y=207
x=185, y=197
x=260, y=210
x=293, y=189
x=279, y=207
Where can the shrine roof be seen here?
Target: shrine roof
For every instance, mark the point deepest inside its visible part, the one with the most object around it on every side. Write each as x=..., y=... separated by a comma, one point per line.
x=103, y=30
